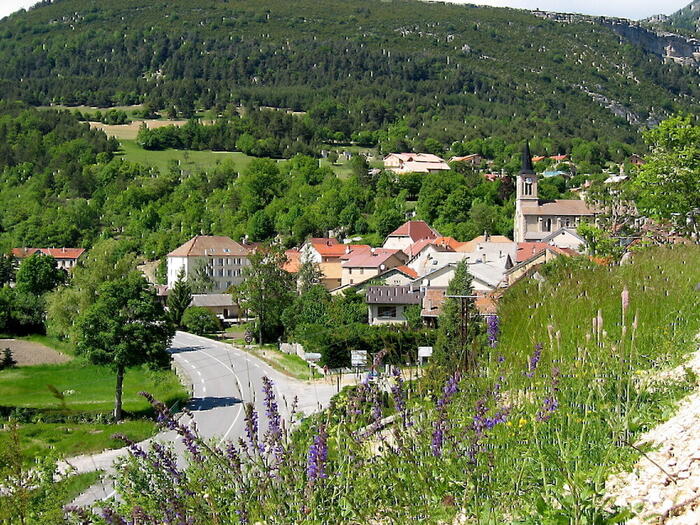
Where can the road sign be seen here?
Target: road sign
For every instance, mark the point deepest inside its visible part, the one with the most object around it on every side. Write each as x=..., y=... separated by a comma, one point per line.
x=358, y=357
x=312, y=356
x=425, y=351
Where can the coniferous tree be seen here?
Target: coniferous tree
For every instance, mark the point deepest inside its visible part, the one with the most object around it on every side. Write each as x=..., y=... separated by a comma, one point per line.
x=179, y=298
x=459, y=325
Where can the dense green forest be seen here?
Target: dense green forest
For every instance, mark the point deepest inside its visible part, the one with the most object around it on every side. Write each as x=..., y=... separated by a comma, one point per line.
x=63, y=184
x=453, y=73
x=687, y=18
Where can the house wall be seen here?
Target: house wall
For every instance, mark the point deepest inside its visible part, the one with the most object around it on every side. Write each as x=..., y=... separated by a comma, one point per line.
x=397, y=243
x=566, y=240
x=224, y=271
x=375, y=320
x=357, y=275
x=440, y=280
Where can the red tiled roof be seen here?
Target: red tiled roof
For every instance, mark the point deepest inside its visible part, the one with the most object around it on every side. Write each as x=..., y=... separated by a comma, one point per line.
x=538, y=158
x=56, y=253
x=212, y=245
x=327, y=247
x=559, y=158
x=371, y=258
x=410, y=272
x=416, y=230
x=527, y=250
x=353, y=249
x=293, y=261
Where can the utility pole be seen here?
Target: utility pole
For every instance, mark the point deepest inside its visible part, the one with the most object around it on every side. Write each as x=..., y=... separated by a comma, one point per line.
x=468, y=358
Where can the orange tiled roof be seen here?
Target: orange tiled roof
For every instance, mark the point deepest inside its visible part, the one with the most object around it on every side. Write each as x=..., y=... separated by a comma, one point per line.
x=56, y=253
x=410, y=272
x=293, y=261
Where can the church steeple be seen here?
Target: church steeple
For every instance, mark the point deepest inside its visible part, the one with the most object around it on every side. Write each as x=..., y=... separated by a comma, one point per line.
x=526, y=189
x=527, y=168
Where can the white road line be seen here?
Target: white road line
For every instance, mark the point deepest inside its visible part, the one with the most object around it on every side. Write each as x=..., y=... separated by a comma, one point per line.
x=240, y=389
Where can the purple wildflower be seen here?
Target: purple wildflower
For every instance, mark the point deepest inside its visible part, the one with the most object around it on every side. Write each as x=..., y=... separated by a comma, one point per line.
x=318, y=454
x=399, y=395
x=438, y=435
x=134, y=449
x=439, y=427
x=271, y=408
x=251, y=426
x=493, y=330
x=378, y=358
x=112, y=518
x=550, y=403
x=534, y=360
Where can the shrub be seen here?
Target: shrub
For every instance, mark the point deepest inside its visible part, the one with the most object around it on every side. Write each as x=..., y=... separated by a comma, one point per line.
x=200, y=321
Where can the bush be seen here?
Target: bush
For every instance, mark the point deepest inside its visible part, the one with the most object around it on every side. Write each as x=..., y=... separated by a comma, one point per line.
x=7, y=360
x=200, y=321
x=335, y=344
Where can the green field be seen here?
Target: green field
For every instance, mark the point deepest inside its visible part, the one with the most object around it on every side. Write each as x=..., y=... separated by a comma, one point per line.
x=64, y=409
x=86, y=388
x=189, y=159
x=73, y=439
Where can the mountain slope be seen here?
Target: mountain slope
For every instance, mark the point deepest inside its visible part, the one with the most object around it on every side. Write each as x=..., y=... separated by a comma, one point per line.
x=456, y=71
x=687, y=18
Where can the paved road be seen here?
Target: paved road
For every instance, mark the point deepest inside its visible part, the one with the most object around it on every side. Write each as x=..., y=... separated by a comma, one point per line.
x=223, y=378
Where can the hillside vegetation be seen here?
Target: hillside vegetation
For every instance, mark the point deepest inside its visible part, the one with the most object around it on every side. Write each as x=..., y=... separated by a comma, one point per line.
x=454, y=71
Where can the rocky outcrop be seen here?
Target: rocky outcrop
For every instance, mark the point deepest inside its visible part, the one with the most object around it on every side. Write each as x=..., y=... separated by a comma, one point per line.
x=667, y=46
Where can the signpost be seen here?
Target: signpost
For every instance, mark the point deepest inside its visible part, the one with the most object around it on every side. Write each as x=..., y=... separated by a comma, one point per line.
x=423, y=352
x=358, y=358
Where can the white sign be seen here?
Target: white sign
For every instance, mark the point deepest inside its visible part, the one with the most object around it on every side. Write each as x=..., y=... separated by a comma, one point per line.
x=358, y=357
x=425, y=351
x=312, y=356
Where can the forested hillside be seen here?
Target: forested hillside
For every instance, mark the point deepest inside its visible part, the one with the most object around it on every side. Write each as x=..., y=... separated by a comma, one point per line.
x=452, y=71
x=63, y=184
x=687, y=18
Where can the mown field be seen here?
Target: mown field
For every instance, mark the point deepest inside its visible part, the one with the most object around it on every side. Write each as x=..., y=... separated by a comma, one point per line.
x=64, y=409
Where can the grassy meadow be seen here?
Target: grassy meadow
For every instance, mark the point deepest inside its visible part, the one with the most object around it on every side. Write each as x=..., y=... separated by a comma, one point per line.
x=64, y=409
x=189, y=159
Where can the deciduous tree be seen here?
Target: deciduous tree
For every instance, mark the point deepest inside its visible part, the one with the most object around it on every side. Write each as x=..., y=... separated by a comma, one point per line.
x=126, y=326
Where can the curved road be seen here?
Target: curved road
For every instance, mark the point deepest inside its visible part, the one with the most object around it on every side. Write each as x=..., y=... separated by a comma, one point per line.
x=223, y=379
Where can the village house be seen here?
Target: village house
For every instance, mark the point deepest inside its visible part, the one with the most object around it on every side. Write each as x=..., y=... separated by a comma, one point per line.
x=409, y=233
x=367, y=264
x=388, y=304
x=397, y=276
x=566, y=238
x=66, y=258
x=401, y=163
x=535, y=219
x=329, y=254
x=222, y=258
x=220, y=304
x=532, y=255
x=474, y=160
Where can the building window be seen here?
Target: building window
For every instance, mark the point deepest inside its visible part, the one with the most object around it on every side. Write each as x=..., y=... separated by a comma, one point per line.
x=567, y=221
x=386, y=312
x=547, y=225
x=528, y=187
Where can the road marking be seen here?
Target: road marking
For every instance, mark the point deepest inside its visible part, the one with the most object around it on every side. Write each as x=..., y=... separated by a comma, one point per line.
x=240, y=389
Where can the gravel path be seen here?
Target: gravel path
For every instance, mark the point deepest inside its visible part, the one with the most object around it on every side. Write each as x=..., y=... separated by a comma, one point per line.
x=664, y=486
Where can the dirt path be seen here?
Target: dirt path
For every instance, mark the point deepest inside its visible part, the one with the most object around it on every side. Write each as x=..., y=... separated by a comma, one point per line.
x=28, y=353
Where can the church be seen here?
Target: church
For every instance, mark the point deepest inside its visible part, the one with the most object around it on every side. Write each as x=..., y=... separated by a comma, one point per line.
x=536, y=219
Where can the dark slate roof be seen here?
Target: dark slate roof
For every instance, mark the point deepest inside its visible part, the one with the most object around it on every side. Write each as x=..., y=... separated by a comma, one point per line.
x=393, y=295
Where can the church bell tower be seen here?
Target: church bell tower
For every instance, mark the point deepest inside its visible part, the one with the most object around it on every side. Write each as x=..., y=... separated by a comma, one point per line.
x=525, y=194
